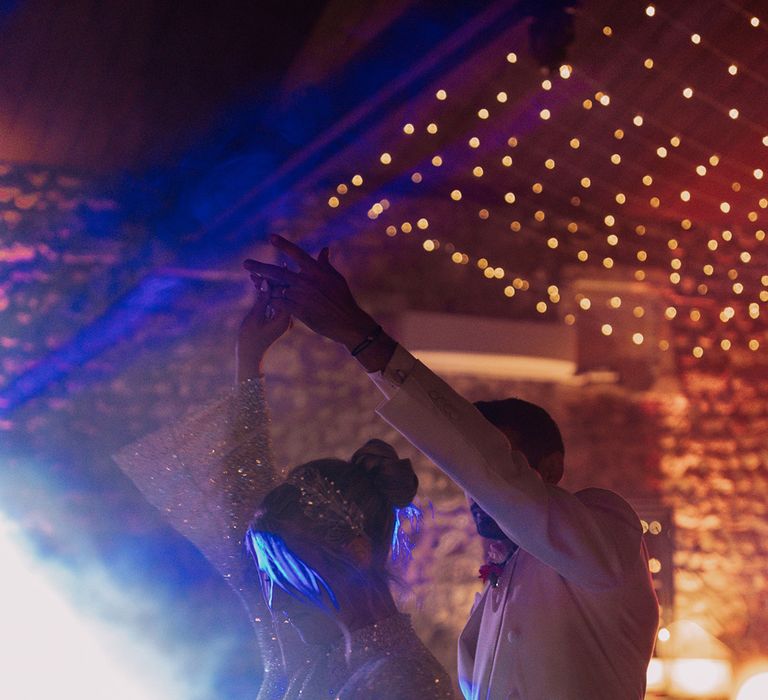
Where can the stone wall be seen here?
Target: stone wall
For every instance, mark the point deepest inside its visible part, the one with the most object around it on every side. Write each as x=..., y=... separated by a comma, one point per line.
x=714, y=465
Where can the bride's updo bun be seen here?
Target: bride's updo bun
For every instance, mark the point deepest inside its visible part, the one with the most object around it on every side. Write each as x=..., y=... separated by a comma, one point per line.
x=334, y=500
x=390, y=476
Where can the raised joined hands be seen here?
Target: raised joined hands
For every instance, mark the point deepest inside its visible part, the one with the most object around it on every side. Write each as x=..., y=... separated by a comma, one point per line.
x=314, y=292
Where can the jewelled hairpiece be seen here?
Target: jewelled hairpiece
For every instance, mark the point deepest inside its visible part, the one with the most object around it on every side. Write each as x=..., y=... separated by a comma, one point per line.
x=340, y=520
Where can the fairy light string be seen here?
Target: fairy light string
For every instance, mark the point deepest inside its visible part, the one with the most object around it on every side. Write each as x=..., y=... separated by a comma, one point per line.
x=660, y=198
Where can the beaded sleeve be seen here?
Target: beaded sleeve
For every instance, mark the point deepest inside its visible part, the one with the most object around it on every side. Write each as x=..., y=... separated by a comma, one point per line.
x=206, y=474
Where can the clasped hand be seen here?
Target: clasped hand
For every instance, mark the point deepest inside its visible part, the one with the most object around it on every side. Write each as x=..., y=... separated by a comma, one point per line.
x=314, y=291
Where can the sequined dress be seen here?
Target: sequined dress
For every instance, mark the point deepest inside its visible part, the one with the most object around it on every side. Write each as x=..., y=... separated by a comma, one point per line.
x=207, y=474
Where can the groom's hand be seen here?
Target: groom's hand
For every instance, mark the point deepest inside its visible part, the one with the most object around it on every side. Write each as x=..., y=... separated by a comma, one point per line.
x=316, y=293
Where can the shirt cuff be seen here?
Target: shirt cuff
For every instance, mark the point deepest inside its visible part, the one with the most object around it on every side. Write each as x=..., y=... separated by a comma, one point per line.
x=391, y=378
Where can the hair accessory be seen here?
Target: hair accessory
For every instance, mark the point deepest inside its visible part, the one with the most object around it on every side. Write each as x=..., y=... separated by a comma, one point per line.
x=282, y=567
x=402, y=541
x=368, y=340
x=324, y=503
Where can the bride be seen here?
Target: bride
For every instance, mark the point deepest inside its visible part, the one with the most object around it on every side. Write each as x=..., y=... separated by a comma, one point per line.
x=311, y=551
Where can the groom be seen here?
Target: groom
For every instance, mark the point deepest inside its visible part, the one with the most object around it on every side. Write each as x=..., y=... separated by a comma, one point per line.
x=568, y=612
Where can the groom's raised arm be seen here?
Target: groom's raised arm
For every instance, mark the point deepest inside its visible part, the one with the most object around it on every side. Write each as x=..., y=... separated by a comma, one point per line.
x=577, y=538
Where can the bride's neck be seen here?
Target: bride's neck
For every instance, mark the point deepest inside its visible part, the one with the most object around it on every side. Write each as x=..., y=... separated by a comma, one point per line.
x=366, y=607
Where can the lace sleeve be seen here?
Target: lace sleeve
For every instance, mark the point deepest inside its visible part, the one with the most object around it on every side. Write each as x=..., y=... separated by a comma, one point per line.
x=208, y=472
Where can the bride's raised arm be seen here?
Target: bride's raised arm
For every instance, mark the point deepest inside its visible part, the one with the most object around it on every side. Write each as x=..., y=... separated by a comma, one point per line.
x=208, y=472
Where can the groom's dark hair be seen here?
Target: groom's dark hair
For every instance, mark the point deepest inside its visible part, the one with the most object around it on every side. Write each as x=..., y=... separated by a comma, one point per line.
x=534, y=430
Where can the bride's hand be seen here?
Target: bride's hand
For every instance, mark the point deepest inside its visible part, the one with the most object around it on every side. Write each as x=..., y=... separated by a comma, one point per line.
x=267, y=320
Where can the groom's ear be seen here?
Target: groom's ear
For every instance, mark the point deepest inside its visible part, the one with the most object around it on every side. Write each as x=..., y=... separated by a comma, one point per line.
x=551, y=467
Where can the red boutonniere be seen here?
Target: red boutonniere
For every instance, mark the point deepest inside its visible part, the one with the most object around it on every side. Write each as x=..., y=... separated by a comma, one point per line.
x=492, y=573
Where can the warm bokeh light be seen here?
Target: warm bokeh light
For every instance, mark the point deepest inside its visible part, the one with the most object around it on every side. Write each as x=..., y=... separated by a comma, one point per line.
x=699, y=678
x=754, y=687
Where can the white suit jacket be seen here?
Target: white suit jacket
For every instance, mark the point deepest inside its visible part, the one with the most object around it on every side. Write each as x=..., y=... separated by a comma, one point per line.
x=574, y=616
